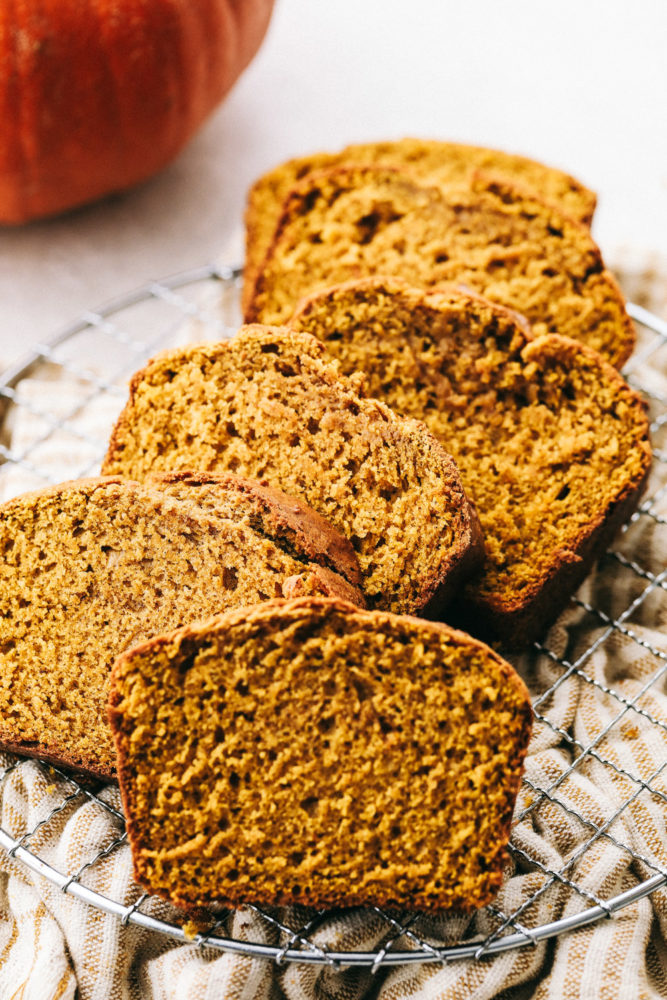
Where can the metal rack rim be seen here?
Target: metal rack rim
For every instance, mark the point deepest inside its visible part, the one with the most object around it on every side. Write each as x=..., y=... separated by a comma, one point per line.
x=343, y=958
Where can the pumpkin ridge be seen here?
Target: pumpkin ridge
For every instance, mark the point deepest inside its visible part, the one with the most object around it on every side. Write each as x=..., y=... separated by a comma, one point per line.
x=96, y=96
x=21, y=133
x=113, y=104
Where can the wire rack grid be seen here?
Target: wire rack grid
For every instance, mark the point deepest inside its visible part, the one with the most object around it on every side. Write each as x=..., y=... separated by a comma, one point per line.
x=56, y=410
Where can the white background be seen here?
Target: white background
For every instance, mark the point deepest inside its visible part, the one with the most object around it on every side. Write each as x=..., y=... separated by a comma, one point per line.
x=580, y=84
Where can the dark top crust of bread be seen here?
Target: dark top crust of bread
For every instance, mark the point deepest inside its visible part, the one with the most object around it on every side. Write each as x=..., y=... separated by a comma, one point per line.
x=303, y=532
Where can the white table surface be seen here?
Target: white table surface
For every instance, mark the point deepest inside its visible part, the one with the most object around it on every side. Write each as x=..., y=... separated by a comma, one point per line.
x=581, y=84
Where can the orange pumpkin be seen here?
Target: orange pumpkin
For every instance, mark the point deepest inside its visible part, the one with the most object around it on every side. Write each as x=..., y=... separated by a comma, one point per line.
x=96, y=95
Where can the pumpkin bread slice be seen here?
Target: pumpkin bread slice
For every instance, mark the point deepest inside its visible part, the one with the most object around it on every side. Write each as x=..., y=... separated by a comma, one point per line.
x=551, y=443
x=91, y=567
x=268, y=405
x=355, y=222
x=296, y=528
x=307, y=752
x=443, y=164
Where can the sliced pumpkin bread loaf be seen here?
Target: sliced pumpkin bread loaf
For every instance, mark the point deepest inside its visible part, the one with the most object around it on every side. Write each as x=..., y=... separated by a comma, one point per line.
x=355, y=222
x=308, y=752
x=91, y=567
x=269, y=405
x=445, y=164
x=551, y=443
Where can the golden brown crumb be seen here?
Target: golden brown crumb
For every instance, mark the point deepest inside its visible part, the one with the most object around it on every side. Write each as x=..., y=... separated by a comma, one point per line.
x=355, y=222
x=309, y=752
x=298, y=529
x=91, y=567
x=266, y=405
x=551, y=443
x=445, y=164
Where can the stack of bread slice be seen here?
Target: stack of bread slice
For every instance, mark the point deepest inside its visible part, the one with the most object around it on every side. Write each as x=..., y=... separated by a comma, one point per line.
x=494, y=237
x=465, y=285
x=436, y=426
x=447, y=165
x=551, y=443
x=93, y=566
x=268, y=404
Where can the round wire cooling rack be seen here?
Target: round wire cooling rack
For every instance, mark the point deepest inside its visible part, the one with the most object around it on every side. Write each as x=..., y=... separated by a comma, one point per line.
x=57, y=408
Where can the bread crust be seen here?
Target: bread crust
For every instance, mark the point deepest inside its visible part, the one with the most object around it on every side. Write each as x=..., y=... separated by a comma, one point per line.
x=307, y=533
